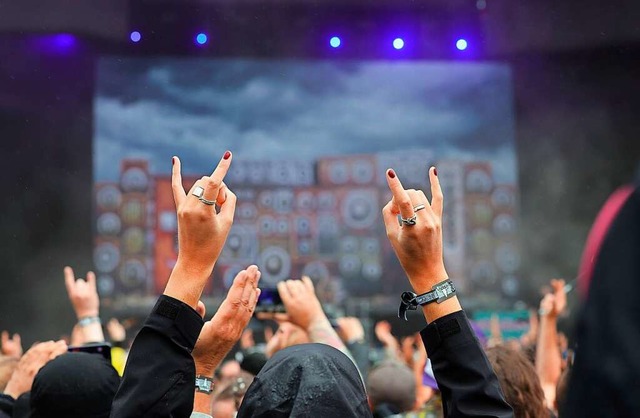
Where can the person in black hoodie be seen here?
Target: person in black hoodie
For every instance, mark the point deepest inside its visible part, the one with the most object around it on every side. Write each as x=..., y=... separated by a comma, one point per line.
x=308, y=380
x=74, y=385
x=605, y=375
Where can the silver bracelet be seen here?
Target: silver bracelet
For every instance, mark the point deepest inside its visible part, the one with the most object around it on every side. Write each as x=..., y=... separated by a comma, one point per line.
x=88, y=320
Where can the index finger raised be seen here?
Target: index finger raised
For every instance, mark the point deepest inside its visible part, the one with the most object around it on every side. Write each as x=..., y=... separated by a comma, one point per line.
x=400, y=196
x=69, y=279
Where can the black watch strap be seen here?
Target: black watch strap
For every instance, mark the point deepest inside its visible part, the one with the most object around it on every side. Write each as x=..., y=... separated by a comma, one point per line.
x=439, y=293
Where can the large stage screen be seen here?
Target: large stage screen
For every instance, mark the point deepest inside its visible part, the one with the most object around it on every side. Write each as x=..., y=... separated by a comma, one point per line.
x=311, y=143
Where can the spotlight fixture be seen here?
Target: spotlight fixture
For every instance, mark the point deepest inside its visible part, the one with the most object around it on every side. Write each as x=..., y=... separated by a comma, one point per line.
x=398, y=43
x=202, y=38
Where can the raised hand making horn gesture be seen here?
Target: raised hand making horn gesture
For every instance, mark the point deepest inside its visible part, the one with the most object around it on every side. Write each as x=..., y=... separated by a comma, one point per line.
x=414, y=227
x=202, y=230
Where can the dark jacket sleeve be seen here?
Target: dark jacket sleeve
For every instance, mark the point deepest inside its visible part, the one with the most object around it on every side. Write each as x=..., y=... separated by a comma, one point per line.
x=159, y=377
x=467, y=382
x=6, y=405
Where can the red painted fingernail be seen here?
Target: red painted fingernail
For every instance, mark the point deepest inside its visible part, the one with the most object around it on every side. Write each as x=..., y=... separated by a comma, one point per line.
x=391, y=173
x=435, y=171
x=173, y=160
x=227, y=155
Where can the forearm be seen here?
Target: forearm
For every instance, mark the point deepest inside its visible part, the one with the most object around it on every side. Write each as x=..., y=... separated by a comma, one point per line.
x=203, y=403
x=92, y=333
x=424, y=283
x=548, y=358
x=187, y=282
x=321, y=331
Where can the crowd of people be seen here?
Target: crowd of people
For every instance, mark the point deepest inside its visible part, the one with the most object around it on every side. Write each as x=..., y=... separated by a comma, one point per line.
x=182, y=365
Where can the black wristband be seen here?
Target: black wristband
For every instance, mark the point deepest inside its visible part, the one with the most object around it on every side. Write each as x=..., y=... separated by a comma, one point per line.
x=409, y=301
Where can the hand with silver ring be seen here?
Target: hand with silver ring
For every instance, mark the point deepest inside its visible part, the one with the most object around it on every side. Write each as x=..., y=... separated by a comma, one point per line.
x=202, y=231
x=418, y=244
x=417, y=239
x=412, y=220
x=198, y=192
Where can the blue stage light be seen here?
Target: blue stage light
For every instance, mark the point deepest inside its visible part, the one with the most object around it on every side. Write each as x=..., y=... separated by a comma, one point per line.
x=461, y=44
x=398, y=43
x=335, y=42
x=201, y=38
x=135, y=36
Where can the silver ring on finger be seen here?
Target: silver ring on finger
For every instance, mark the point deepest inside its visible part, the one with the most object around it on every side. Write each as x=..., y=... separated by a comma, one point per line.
x=409, y=221
x=419, y=207
x=207, y=201
x=198, y=192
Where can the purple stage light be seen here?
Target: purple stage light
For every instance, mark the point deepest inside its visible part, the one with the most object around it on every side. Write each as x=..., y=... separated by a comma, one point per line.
x=135, y=36
x=398, y=43
x=335, y=42
x=201, y=38
x=63, y=41
x=57, y=44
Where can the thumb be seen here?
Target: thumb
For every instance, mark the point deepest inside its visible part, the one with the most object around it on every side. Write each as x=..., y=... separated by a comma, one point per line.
x=201, y=309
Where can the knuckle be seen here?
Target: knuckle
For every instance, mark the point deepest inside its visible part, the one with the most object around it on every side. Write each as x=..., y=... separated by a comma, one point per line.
x=429, y=225
x=405, y=204
x=210, y=182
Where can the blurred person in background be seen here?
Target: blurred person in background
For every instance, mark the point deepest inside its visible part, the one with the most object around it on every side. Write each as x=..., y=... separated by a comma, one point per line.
x=548, y=351
x=519, y=382
x=606, y=371
x=391, y=388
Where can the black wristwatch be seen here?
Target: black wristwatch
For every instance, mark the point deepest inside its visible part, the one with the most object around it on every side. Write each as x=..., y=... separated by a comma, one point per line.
x=439, y=293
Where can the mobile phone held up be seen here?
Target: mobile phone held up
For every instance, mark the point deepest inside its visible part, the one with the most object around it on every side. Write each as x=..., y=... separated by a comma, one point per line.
x=269, y=301
x=103, y=349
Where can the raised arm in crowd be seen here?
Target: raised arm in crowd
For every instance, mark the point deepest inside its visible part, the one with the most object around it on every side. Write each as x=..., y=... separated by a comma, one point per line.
x=160, y=374
x=467, y=382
